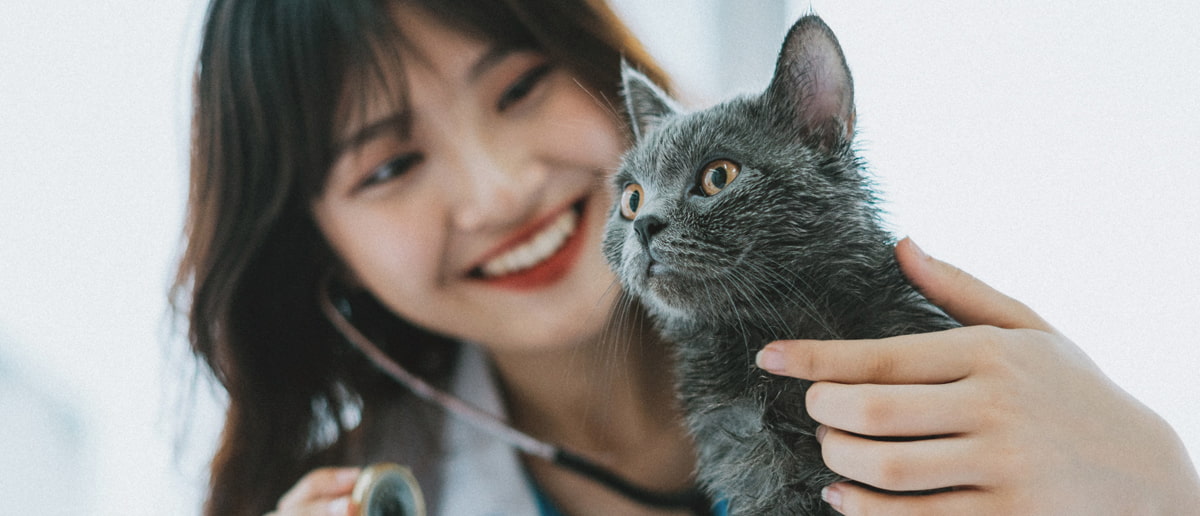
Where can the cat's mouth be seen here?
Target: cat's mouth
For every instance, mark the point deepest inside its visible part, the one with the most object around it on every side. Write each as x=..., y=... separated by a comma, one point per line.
x=655, y=268
x=664, y=282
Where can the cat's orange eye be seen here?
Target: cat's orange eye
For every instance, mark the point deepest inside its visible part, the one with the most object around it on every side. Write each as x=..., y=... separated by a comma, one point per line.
x=631, y=200
x=717, y=174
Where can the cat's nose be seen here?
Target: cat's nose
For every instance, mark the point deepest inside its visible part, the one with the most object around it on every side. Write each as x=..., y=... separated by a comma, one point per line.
x=646, y=226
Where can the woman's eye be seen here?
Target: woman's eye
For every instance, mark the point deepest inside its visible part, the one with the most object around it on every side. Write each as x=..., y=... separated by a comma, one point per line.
x=716, y=175
x=392, y=169
x=631, y=200
x=522, y=86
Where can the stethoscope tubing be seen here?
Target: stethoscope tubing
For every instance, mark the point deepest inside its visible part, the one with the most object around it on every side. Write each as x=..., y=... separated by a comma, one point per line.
x=494, y=426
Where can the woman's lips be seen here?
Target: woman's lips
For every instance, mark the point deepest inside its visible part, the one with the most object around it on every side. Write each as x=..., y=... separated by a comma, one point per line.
x=540, y=257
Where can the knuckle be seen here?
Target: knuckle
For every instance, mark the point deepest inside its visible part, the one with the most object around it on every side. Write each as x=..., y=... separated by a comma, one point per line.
x=875, y=415
x=808, y=364
x=1011, y=459
x=890, y=474
x=881, y=366
x=987, y=346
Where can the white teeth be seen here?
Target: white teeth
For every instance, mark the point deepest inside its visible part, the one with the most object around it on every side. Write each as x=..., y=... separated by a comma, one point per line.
x=535, y=250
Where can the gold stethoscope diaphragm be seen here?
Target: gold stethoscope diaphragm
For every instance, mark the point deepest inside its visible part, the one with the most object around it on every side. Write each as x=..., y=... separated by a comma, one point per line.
x=387, y=489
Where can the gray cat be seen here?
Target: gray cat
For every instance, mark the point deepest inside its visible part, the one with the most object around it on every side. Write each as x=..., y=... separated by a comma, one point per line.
x=748, y=222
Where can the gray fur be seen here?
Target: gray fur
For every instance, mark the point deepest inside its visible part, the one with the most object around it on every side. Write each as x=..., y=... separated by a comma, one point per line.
x=792, y=248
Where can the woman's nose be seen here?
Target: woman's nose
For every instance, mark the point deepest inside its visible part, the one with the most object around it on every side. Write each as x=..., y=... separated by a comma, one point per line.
x=493, y=186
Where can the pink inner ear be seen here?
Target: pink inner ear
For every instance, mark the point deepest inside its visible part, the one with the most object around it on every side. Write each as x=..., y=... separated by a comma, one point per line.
x=813, y=83
x=826, y=83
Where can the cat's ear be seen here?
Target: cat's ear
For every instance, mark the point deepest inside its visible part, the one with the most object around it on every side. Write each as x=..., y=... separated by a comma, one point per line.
x=645, y=103
x=813, y=84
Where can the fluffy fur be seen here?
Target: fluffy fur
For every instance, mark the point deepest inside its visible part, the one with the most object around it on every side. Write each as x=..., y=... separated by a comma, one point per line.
x=793, y=247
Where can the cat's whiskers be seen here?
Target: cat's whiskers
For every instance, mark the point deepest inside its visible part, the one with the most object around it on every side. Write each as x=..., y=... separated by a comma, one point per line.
x=614, y=331
x=764, y=302
x=788, y=293
x=806, y=304
x=618, y=113
x=742, y=330
x=612, y=342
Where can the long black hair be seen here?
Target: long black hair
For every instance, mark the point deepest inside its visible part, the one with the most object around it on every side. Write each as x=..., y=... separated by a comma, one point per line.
x=267, y=82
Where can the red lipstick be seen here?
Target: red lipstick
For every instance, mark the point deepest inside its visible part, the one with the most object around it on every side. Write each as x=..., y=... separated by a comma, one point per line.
x=550, y=270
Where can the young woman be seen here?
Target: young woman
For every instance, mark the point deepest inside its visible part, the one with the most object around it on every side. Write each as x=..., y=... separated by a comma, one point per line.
x=437, y=169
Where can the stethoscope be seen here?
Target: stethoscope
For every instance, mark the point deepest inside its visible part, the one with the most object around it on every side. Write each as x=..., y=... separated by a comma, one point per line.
x=692, y=499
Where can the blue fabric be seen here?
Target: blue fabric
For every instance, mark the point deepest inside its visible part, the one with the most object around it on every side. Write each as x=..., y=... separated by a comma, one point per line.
x=547, y=508
x=721, y=508
x=544, y=505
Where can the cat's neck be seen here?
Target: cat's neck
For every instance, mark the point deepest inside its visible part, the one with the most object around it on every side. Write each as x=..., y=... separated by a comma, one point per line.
x=818, y=299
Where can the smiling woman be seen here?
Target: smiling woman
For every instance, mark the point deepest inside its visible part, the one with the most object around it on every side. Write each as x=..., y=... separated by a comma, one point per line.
x=427, y=154
x=476, y=203
x=1048, y=147
x=441, y=165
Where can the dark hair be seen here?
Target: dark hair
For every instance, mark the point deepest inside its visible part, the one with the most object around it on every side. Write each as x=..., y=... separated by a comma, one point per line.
x=267, y=84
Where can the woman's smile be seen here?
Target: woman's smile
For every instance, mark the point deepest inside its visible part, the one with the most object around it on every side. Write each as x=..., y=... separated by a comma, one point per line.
x=537, y=255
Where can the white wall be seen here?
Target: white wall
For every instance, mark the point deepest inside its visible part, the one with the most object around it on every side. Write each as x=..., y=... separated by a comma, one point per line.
x=1050, y=148
x=1047, y=147
x=92, y=183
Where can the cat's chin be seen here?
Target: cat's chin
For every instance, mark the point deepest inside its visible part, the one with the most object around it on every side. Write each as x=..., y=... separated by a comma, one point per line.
x=666, y=292
x=664, y=310
x=667, y=312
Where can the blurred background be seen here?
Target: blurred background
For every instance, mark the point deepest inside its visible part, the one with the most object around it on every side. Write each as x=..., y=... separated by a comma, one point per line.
x=1049, y=148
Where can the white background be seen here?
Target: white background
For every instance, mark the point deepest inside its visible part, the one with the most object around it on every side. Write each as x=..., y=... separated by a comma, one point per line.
x=1050, y=148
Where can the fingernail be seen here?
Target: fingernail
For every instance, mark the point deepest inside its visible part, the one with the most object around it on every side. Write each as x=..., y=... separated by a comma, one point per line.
x=920, y=252
x=340, y=506
x=771, y=359
x=347, y=476
x=832, y=496
x=821, y=430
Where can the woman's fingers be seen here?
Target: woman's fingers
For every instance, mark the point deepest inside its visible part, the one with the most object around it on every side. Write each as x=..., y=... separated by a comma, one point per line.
x=962, y=296
x=926, y=358
x=322, y=492
x=855, y=500
x=1018, y=418
x=917, y=465
x=339, y=506
x=895, y=410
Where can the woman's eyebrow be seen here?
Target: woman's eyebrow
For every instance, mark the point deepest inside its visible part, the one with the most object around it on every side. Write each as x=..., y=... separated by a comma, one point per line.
x=399, y=122
x=494, y=55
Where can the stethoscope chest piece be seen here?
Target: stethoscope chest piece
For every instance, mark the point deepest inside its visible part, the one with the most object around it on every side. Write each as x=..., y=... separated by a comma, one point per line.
x=386, y=489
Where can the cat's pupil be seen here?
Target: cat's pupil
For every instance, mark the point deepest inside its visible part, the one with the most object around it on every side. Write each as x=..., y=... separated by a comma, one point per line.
x=631, y=200
x=719, y=176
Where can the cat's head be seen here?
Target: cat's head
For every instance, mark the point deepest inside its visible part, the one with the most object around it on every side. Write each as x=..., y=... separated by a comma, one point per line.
x=714, y=207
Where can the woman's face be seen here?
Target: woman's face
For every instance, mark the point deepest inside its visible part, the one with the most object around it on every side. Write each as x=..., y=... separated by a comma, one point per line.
x=477, y=208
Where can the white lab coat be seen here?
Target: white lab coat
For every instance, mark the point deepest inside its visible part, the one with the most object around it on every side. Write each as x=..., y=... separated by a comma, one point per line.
x=462, y=470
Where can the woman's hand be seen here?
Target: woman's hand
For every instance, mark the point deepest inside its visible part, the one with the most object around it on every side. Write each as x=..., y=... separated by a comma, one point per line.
x=322, y=492
x=1010, y=413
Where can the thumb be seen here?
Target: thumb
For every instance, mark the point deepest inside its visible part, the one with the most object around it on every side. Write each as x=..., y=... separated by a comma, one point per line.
x=965, y=298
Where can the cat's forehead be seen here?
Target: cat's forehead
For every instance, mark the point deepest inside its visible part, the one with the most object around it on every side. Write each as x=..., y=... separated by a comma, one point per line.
x=685, y=141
